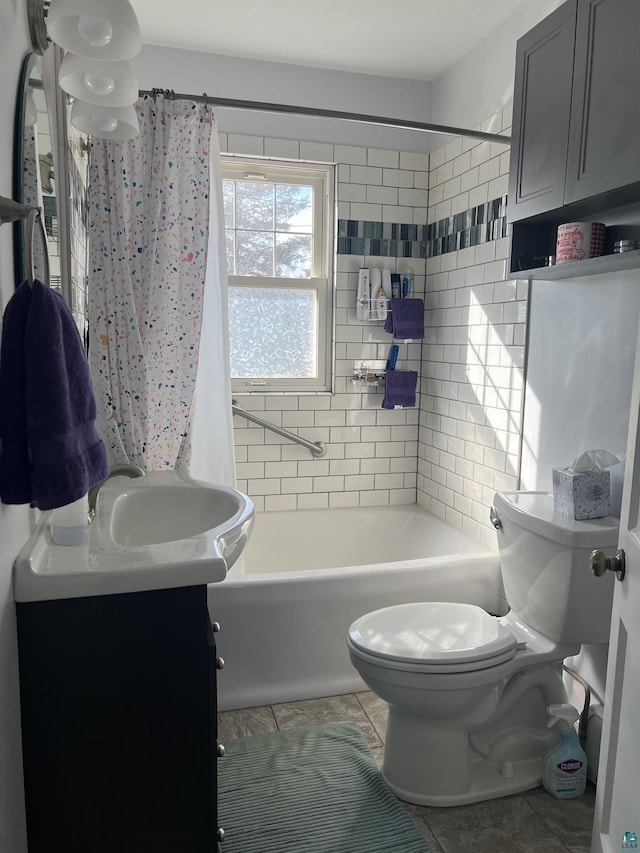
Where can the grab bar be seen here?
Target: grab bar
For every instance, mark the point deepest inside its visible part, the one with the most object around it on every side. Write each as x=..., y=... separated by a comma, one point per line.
x=317, y=448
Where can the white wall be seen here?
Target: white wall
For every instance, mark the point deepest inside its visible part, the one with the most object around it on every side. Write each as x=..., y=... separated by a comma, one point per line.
x=14, y=521
x=582, y=344
x=272, y=82
x=481, y=83
x=473, y=354
x=371, y=452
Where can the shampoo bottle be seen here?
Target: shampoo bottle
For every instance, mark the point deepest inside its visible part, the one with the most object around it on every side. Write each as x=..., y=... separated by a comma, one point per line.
x=565, y=765
x=381, y=305
x=363, y=298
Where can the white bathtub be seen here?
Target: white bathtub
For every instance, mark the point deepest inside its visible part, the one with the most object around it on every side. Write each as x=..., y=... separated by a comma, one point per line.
x=305, y=576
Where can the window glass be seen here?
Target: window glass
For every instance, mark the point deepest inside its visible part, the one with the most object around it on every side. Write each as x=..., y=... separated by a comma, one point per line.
x=278, y=240
x=273, y=332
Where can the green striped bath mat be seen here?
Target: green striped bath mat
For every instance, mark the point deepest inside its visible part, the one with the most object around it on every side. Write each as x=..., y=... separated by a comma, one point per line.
x=315, y=790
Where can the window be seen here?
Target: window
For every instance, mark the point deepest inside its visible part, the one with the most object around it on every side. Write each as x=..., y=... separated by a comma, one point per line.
x=278, y=234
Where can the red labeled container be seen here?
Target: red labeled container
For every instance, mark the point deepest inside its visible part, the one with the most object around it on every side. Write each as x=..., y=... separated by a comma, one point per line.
x=577, y=241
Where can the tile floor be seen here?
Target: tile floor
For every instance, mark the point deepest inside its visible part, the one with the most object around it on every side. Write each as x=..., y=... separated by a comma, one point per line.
x=534, y=822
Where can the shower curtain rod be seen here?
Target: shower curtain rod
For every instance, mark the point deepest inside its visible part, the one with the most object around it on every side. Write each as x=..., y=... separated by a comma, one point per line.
x=315, y=112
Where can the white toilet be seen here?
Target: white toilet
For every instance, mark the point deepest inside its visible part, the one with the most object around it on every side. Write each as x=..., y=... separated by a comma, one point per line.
x=468, y=692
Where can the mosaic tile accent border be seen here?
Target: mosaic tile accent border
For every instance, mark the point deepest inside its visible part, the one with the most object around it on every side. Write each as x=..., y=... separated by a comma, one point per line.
x=479, y=224
x=472, y=227
x=381, y=239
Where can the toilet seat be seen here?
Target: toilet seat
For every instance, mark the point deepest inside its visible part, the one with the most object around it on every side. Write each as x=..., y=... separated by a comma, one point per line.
x=438, y=637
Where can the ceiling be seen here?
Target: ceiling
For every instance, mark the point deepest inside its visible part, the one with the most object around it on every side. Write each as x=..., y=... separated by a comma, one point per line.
x=411, y=39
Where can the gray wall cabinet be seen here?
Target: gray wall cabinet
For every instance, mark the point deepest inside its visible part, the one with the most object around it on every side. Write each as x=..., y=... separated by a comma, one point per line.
x=576, y=133
x=604, y=137
x=541, y=107
x=576, y=125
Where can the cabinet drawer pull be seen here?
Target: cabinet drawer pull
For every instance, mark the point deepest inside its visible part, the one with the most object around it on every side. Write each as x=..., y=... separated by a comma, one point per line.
x=220, y=750
x=215, y=627
x=220, y=834
x=219, y=663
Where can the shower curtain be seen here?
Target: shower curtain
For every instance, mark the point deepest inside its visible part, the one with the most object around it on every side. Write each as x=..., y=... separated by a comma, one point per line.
x=157, y=294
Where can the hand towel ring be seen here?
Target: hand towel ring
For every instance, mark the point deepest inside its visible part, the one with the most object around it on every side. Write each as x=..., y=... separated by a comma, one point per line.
x=34, y=215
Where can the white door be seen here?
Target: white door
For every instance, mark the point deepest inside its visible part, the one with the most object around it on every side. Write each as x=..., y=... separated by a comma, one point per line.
x=617, y=816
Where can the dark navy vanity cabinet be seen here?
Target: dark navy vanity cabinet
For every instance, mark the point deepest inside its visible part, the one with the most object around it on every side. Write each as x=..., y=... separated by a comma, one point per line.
x=118, y=697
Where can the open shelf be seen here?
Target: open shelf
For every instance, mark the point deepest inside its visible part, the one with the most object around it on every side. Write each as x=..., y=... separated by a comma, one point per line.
x=577, y=269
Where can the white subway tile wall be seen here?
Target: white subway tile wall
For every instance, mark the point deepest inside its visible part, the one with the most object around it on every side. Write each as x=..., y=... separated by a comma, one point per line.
x=461, y=442
x=474, y=348
x=372, y=456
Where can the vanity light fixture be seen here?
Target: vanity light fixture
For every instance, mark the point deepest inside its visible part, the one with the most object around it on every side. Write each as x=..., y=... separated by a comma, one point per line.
x=100, y=38
x=96, y=29
x=106, y=122
x=98, y=82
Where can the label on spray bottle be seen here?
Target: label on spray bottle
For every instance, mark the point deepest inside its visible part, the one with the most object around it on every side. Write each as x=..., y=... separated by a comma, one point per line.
x=565, y=765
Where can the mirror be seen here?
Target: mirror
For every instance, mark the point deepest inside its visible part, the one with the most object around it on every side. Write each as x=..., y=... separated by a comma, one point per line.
x=51, y=171
x=34, y=175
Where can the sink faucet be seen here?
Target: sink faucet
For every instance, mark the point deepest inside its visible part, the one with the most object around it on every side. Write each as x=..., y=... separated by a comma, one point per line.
x=125, y=469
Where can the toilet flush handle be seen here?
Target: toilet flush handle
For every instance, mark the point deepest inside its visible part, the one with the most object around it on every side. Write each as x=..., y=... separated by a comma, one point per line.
x=494, y=518
x=600, y=563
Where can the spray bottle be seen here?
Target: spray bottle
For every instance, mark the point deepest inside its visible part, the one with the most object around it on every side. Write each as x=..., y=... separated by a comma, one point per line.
x=565, y=765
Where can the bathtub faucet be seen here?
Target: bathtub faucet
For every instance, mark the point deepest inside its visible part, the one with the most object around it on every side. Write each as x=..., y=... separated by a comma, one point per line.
x=125, y=469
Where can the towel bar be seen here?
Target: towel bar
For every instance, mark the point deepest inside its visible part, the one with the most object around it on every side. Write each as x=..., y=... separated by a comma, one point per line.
x=13, y=211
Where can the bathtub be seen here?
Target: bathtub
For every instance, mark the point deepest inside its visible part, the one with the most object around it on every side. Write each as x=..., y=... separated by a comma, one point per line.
x=285, y=607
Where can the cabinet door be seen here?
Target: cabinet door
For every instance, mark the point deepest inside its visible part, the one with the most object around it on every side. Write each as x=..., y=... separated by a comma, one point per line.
x=605, y=119
x=212, y=629
x=541, y=105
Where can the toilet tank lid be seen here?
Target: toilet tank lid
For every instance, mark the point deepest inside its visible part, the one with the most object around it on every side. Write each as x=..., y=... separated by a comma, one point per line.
x=534, y=511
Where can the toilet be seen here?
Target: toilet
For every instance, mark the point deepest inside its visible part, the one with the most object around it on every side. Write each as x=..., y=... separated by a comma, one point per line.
x=468, y=692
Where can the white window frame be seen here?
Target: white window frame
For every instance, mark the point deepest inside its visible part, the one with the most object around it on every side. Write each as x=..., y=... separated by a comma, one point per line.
x=321, y=177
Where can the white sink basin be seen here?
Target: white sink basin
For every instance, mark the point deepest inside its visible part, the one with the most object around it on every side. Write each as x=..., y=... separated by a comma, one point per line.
x=153, y=532
x=152, y=513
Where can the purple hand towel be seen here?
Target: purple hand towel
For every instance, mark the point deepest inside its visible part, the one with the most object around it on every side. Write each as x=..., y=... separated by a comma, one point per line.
x=55, y=406
x=400, y=389
x=405, y=319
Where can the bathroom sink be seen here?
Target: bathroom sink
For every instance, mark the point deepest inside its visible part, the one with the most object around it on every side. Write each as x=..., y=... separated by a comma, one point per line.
x=153, y=514
x=154, y=532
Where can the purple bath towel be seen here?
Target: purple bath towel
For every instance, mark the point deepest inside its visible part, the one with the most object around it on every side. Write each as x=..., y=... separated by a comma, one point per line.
x=51, y=451
x=399, y=389
x=15, y=475
x=405, y=321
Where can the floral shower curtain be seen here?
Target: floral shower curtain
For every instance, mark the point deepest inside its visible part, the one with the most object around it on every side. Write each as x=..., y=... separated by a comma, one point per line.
x=149, y=211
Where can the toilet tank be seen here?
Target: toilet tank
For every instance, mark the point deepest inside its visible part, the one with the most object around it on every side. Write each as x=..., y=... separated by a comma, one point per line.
x=544, y=560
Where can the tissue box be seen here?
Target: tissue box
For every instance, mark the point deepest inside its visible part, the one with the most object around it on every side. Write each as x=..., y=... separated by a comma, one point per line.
x=581, y=494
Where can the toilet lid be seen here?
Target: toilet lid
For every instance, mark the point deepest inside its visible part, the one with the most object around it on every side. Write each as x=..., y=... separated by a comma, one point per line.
x=438, y=633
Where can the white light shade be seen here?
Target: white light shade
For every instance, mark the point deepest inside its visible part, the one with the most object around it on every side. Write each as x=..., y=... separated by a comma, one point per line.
x=109, y=83
x=97, y=29
x=105, y=122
